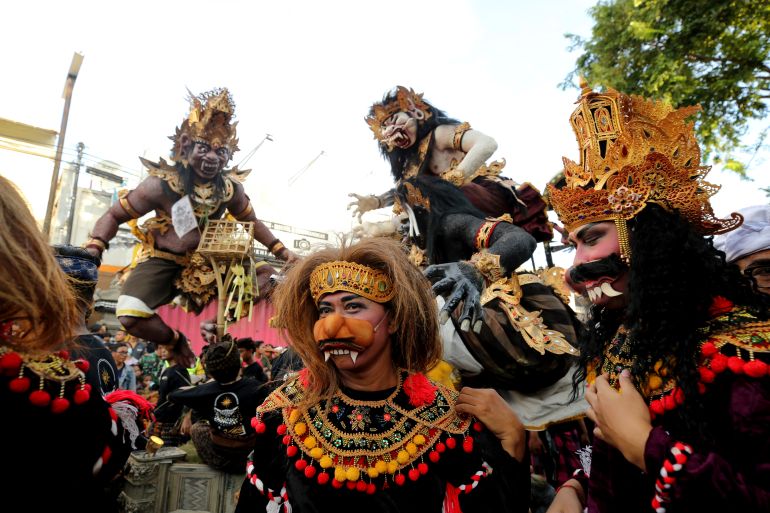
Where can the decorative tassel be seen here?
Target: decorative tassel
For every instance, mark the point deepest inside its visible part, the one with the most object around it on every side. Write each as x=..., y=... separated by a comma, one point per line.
x=419, y=390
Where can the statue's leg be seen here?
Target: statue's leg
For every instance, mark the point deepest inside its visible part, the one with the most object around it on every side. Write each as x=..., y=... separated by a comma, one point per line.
x=149, y=328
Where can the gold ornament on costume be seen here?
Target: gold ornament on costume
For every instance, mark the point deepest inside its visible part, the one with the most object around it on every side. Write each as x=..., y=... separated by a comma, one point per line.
x=352, y=277
x=406, y=101
x=209, y=121
x=634, y=152
x=415, y=198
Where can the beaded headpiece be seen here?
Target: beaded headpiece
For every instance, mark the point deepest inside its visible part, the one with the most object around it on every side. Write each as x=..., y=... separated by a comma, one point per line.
x=634, y=152
x=351, y=277
x=209, y=121
x=406, y=100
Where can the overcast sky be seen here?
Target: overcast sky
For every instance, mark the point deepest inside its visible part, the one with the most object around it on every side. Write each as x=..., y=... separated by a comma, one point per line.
x=305, y=72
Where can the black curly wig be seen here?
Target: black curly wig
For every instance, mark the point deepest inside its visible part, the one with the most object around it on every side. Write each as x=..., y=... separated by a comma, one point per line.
x=674, y=275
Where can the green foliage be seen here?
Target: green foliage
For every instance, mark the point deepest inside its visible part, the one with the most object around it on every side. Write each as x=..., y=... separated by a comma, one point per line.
x=715, y=53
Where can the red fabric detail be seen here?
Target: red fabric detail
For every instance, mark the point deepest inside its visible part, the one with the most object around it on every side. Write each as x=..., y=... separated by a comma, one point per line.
x=419, y=389
x=452, y=499
x=720, y=306
x=143, y=405
x=10, y=363
x=189, y=323
x=106, y=454
x=64, y=354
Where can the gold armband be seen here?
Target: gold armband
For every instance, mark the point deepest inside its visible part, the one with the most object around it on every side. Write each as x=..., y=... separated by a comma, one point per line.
x=488, y=264
x=457, y=141
x=97, y=243
x=277, y=248
x=245, y=212
x=123, y=200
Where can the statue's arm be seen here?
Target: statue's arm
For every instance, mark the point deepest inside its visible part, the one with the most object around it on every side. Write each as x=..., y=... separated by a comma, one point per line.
x=477, y=146
x=362, y=204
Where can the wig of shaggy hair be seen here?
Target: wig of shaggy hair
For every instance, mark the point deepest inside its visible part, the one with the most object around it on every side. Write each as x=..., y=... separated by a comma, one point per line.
x=674, y=275
x=416, y=345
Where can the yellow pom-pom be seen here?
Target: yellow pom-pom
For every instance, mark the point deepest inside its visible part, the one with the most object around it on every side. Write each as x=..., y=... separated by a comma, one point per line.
x=340, y=474
x=326, y=462
x=372, y=472
x=300, y=428
x=402, y=457
x=293, y=416
x=654, y=382
x=309, y=442
x=392, y=467
x=316, y=453
x=381, y=466
x=411, y=448
x=419, y=439
x=352, y=473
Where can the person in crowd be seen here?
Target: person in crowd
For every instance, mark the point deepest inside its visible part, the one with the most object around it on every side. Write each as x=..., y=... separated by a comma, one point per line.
x=676, y=354
x=748, y=246
x=361, y=428
x=252, y=369
x=53, y=411
x=126, y=376
x=168, y=414
x=151, y=363
x=222, y=435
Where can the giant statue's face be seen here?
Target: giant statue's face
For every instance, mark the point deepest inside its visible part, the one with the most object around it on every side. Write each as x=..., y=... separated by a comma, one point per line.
x=207, y=161
x=399, y=131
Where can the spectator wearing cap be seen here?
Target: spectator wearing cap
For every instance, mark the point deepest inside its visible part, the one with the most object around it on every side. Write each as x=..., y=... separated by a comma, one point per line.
x=252, y=369
x=748, y=246
x=223, y=435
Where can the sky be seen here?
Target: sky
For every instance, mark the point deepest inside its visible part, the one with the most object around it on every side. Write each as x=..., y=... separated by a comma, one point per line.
x=305, y=72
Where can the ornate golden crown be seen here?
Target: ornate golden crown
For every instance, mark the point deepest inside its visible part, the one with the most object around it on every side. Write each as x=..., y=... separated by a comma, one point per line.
x=406, y=100
x=352, y=277
x=209, y=121
x=634, y=152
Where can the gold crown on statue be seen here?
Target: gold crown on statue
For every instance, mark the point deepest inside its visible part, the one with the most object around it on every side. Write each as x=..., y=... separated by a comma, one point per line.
x=634, y=152
x=351, y=277
x=406, y=100
x=209, y=121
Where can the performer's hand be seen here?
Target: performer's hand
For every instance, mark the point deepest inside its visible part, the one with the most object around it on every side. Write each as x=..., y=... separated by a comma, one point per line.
x=458, y=281
x=185, y=428
x=568, y=499
x=488, y=407
x=363, y=204
x=621, y=416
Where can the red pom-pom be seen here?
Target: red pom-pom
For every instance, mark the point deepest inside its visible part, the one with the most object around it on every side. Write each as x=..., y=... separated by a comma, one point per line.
x=440, y=447
x=719, y=363
x=260, y=427
x=310, y=471
x=81, y=396
x=40, y=398
x=87, y=386
x=755, y=369
x=10, y=364
x=399, y=479
x=434, y=456
x=701, y=388
x=709, y=349
x=414, y=474
x=735, y=364
x=423, y=468
x=656, y=406
x=451, y=442
x=678, y=394
x=720, y=306
x=300, y=465
x=706, y=375
x=60, y=405
x=19, y=385
x=668, y=402
x=286, y=440
x=468, y=444
x=83, y=365
x=477, y=426
x=253, y=423
x=323, y=478
x=360, y=486
x=337, y=484
x=370, y=489
x=351, y=485
x=291, y=451
x=281, y=429
x=419, y=390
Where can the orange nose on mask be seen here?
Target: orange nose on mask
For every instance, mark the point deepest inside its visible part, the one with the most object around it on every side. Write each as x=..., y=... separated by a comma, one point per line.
x=344, y=329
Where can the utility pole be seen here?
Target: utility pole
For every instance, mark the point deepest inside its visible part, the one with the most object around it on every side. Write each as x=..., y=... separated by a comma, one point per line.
x=74, y=194
x=72, y=75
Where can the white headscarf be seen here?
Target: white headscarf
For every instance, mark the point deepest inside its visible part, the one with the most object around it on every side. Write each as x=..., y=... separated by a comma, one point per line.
x=750, y=237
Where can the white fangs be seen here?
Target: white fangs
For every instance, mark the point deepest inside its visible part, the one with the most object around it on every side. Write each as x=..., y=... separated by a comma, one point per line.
x=327, y=354
x=353, y=356
x=605, y=289
x=339, y=352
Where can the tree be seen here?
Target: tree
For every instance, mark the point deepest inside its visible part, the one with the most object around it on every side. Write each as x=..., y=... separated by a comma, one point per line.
x=715, y=53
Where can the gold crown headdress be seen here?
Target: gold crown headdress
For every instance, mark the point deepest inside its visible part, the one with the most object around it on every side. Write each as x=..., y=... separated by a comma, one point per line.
x=406, y=100
x=209, y=121
x=634, y=152
x=351, y=277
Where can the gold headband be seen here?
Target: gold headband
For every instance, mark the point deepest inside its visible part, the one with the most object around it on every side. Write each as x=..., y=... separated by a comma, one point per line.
x=351, y=277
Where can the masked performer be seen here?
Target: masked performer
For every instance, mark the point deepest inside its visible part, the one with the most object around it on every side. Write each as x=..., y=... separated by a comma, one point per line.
x=677, y=352
x=168, y=264
x=62, y=441
x=417, y=139
x=362, y=428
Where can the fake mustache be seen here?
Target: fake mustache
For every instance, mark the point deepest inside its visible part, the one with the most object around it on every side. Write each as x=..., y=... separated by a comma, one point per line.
x=336, y=334
x=608, y=267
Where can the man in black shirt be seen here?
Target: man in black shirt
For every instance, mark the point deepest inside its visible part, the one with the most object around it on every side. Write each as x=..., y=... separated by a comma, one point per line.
x=252, y=369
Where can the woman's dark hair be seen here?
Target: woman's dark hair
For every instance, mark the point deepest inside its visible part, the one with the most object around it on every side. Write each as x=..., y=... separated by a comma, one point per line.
x=675, y=274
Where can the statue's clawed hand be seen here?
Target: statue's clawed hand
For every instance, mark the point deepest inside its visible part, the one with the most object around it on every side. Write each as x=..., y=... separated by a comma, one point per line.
x=456, y=282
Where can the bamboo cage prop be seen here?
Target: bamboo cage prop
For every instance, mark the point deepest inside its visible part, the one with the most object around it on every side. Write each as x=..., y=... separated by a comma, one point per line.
x=226, y=243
